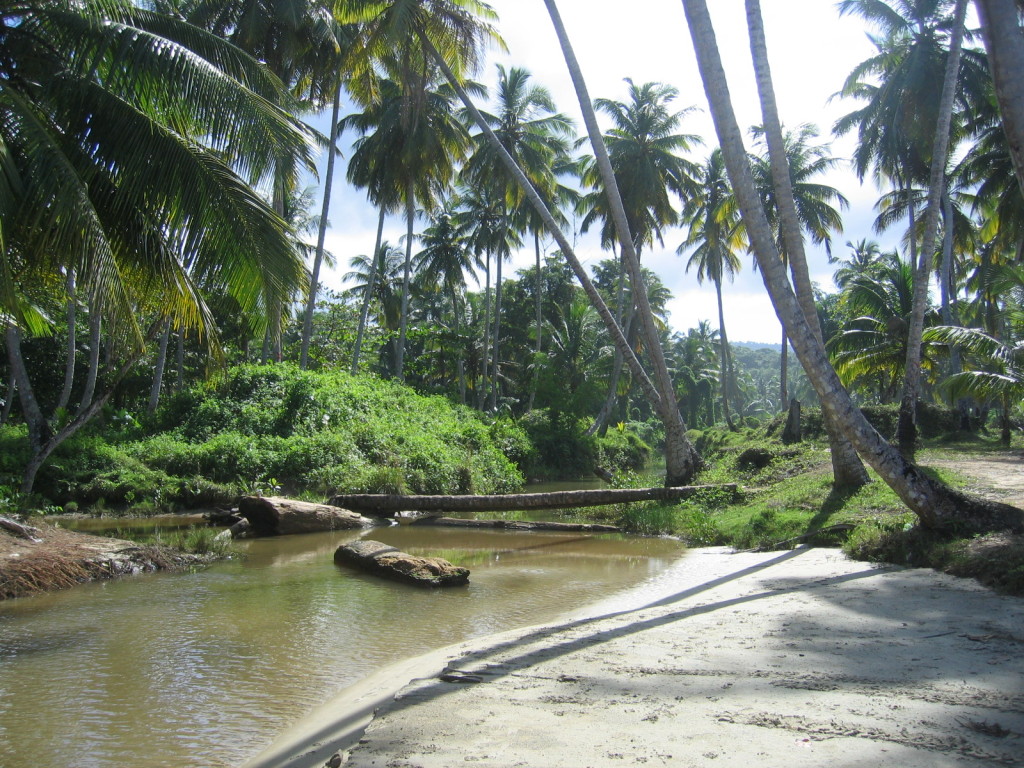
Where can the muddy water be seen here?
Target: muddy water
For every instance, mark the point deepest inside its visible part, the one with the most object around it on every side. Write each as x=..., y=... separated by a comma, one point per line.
x=203, y=669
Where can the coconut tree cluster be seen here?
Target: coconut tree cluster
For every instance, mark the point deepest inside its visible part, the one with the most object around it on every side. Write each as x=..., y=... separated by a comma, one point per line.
x=156, y=224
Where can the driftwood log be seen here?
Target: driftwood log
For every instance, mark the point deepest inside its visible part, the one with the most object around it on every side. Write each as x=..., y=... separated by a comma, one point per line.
x=19, y=529
x=273, y=516
x=392, y=503
x=384, y=560
x=519, y=525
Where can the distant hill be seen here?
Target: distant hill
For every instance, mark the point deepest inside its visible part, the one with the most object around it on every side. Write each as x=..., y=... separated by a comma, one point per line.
x=756, y=345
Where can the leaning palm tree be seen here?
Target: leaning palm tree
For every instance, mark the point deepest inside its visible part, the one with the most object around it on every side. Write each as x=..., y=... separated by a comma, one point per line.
x=644, y=150
x=936, y=505
x=127, y=141
x=681, y=459
x=814, y=206
x=715, y=235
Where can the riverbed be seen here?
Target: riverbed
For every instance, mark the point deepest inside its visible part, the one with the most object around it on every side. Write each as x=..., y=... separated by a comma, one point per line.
x=204, y=669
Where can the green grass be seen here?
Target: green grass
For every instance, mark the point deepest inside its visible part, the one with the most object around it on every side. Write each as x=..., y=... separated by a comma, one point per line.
x=790, y=501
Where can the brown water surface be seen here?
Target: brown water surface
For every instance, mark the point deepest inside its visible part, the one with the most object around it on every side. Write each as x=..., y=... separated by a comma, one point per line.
x=204, y=669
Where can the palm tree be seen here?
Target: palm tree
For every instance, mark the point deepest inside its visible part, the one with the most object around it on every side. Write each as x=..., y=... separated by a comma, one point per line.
x=1000, y=26
x=872, y=347
x=122, y=130
x=813, y=205
x=534, y=134
x=643, y=147
x=444, y=261
x=715, y=235
x=847, y=469
x=407, y=153
x=681, y=459
x=864, y=257
x=936, y=505
x=577, y=353
x=998, y=374
x=375, y=281
x=301, y=43
x=483, y=222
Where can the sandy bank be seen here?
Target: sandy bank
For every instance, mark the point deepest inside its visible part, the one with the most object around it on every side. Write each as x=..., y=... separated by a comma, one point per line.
x=781, y=659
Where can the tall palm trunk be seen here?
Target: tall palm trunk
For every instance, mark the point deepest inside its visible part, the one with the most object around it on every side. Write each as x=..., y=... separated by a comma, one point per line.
x=600, y=425
x=674, y=456
x=403, y=323
x=936, y=505
x=72, y=346
x=39, y=430
x=538, y=323
x=847, y=469
x=496, y=344
x=681, y=460
x=5, y=411
x=179, y=361
x=784, y=371
x=95, y=330
x=273, y=347
x=321, y=235
x=370, y=283
x=724, y=342
x=907, y=434
x=460, y=363
x=1001, y=29
x=485, y=362
x=158, y=369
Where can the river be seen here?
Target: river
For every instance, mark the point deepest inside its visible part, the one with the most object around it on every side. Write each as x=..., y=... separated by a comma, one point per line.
x=203, y=669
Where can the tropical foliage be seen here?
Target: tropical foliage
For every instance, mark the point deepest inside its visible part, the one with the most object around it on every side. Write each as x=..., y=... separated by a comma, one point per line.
x=154, y=226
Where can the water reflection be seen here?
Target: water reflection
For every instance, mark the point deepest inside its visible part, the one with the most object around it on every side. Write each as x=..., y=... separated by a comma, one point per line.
x=205, y=668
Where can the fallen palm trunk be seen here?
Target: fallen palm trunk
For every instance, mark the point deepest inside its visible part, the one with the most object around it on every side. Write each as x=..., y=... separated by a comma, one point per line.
x=520, y=525
x=273, y=516
x=384, y=560
x=391, y=503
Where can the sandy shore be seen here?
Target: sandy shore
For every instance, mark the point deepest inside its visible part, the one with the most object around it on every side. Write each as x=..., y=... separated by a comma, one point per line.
x=792, y=659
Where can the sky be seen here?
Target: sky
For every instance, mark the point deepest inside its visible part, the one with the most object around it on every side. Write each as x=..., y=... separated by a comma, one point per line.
x=811, y=51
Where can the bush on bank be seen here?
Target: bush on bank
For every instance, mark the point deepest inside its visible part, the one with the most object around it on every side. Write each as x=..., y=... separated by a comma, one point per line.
x=273, y=429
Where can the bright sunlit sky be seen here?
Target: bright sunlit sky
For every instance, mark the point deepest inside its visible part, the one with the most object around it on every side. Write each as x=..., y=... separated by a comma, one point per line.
x=811, y=50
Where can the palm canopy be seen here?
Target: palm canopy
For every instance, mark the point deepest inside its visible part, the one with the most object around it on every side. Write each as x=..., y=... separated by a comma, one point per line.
x=299, y=40
x=456, y=29
x=715, y=229
x=644, y=146
x=531, y=131
x=872, y=348
x=406, y=148
x=815, y=202
x=900, y=86
x=124, y=139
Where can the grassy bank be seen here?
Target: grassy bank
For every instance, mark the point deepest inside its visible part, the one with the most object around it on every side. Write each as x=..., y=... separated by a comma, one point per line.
x=788, y=500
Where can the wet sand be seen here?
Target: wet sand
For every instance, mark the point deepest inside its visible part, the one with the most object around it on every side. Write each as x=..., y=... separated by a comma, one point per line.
x=792, y=659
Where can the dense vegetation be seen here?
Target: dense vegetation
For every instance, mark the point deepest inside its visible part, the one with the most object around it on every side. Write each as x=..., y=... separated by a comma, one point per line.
x=154, y=223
